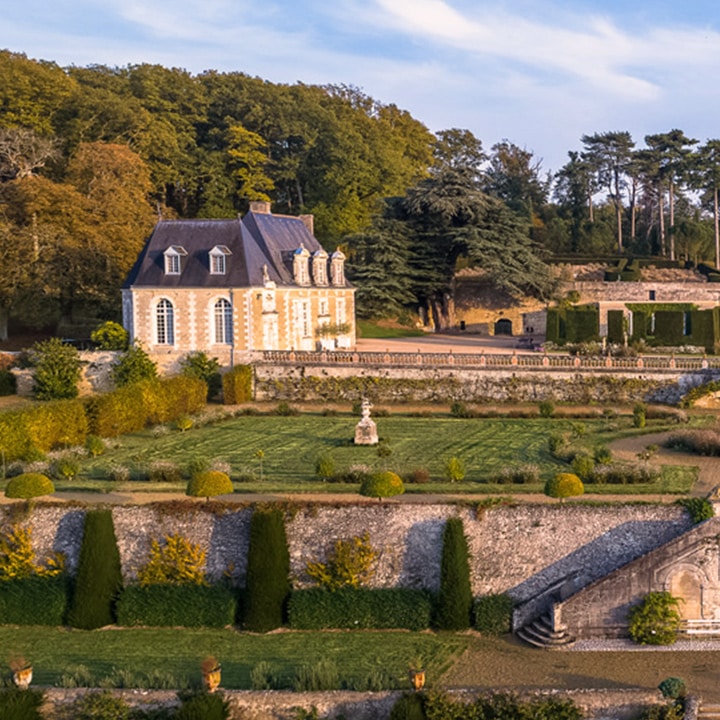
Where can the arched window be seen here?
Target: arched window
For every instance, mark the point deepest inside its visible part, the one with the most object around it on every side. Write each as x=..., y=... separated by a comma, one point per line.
x=223, y=322
x=165, y=322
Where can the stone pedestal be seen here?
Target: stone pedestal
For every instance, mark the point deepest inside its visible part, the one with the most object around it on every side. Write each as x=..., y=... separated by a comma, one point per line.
x=366, y=430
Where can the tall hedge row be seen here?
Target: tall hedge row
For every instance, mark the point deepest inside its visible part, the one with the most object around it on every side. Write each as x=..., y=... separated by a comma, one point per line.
x=42, y=427
x=237, y=385
x=99, y=578
x=615, y=326
x=132, y=407
x=360, y=608
x=169, y=605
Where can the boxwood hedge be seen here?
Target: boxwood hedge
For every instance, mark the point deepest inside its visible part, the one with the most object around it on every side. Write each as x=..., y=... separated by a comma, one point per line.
x=177, y=606
x=361, y=608
x=34, y=600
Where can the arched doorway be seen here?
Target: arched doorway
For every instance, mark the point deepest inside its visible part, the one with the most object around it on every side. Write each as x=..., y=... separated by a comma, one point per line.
x=687, y=585
x=503, y=327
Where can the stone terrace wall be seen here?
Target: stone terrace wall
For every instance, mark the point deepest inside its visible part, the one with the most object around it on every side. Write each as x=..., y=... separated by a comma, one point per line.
x=314, y=380
x=528, y=551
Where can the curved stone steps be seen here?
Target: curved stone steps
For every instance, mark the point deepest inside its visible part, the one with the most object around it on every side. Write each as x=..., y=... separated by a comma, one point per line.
x=541, y=633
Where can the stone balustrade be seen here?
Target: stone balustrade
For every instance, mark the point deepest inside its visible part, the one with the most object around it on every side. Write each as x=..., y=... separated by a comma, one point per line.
x=526, y=361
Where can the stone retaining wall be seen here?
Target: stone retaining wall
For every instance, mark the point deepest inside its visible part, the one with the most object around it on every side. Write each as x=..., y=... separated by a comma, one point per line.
x=528, y=551
x=246, y=705
x=387, y=383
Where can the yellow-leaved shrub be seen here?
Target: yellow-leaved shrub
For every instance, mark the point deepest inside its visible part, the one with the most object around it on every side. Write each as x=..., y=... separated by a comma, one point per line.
x=177, y=561
x=350, y=564
x=17, y=557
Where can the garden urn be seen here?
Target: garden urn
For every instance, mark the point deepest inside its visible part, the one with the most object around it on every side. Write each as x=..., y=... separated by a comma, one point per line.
x=211, y=674
x=23, y=677
x=417, y=679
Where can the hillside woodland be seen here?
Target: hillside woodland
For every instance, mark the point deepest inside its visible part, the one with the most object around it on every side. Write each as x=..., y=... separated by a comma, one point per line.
x=90, y=157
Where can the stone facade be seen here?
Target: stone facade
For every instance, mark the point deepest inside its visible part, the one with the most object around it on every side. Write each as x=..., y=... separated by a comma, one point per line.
x=230, y=287
x=296, y=313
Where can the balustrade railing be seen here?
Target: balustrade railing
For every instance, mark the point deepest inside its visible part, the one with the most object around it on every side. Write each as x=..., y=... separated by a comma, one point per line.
x=534, y=361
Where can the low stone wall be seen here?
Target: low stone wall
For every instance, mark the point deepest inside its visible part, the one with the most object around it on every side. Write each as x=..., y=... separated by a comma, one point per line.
x=532, y=552
x=595, y=704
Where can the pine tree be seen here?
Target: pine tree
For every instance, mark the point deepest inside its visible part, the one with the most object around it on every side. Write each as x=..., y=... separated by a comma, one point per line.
x=268, y=584
x=99, y=578
x=455, y=599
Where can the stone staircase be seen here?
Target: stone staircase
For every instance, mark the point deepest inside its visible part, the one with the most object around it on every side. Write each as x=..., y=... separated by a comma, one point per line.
x=540, y=633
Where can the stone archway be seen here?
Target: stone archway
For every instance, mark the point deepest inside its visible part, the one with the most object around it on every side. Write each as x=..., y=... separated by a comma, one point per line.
x=687, y=585
x=503, y=327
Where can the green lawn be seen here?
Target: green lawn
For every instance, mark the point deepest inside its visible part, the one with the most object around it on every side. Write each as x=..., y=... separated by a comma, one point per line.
x=369, y=329
x=291, y=446
x=57, y=651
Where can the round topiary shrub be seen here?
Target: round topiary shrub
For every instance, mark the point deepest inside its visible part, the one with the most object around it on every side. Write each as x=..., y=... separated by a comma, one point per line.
x=29, y=485
x=110, y=336
x=209, y=483
x=382, y=484
x=564, y=485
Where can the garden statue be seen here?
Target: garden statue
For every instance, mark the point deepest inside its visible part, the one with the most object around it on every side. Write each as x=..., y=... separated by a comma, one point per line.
x=366, y=430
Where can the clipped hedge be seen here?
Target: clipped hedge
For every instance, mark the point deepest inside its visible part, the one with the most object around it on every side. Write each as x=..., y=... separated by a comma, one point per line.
x=209, y=483
x=29, y=485
x=132, y=407
x=237, y=385
x=360, y=608
x=42, y=427
x=98, y=581
x=177, y=606
x=34, y=600
x=493, y=614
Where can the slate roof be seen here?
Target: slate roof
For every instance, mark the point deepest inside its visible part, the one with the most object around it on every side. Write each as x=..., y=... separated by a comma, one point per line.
x=258, y=239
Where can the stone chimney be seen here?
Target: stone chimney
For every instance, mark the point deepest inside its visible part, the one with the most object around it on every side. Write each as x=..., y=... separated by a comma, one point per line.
x=260, y=206
x=309, y=222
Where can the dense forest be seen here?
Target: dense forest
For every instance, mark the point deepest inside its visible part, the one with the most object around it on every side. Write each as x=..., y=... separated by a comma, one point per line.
x=91, y=157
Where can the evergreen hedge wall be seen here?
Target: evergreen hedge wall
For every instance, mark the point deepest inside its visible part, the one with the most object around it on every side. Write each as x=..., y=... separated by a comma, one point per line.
x=34, y=600
x=360, y=608
x=669, y=326
x=616, y=329
x=177, y=606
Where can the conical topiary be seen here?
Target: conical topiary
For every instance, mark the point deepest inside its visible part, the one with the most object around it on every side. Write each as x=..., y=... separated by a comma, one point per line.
x=99, y=578
x=454, y=603
x=268, y=584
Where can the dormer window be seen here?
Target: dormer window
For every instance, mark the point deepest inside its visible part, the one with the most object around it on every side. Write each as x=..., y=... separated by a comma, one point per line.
x=217, y=259
x=172, y=259
x=319, y=267
x=337, y=268
x=301, y=273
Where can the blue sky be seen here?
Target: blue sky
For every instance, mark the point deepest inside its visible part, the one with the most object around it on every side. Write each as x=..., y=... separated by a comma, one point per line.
x=539, y=74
